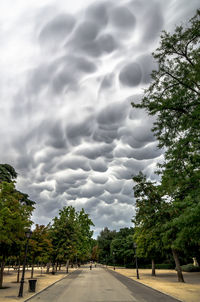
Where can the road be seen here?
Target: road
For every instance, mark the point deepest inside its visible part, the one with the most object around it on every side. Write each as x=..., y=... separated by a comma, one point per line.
x=99, y=285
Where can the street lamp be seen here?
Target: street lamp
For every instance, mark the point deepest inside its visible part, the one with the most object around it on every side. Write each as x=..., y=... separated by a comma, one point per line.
x=136, y=262
x=28, y=235
x=114, y=259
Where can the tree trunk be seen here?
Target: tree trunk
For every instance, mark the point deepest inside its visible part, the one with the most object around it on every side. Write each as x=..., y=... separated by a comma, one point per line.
x=8, y=267
x=48, y=267
x=59, y=266
x=178, y=267
x=18, y=273
x=32, y=270
x=153, y=273
x=1, y=272
x=56, y=267
x=67, y=266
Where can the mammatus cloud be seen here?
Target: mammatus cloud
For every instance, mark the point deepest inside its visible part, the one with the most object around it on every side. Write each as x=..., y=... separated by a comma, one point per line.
x=67, y=124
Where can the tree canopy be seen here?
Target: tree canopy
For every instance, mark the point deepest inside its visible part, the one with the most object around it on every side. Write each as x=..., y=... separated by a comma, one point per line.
x=173, y=97
x=7, y=173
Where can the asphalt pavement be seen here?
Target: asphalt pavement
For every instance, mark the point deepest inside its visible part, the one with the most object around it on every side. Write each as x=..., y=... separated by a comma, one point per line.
x=99, y=285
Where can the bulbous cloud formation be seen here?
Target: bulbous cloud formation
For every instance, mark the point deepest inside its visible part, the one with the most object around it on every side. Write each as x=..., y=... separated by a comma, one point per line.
x=69, y=74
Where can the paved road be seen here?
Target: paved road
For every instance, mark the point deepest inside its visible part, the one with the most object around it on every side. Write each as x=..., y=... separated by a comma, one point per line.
x=99, y=285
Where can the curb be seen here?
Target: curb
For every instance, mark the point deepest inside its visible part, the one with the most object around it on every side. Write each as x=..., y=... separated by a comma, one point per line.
x=42, y=290
x=145, y=285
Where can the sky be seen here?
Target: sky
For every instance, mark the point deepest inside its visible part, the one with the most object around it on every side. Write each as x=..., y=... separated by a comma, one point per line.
x=69, y=71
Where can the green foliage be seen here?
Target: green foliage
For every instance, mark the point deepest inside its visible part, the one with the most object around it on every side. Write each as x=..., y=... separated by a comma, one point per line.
x=174, y=98
x=190, y=268
x=71, y=235
x=14, y=217
x=148, y=208
x=14, y=220
x=174, y=93
x=159, y=266
x=104, y=242
x=116, y=246
x=40, y=244
x=7, y=173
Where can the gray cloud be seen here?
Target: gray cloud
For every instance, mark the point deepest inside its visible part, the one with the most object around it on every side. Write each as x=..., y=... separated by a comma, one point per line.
x=153, y=23
x=99, y=165
x=131, y=74
x=76, y=131
x=113, y=187
x=147, y=64
x=96, y=151
x=92, y=191
x=67, y=124
x=107, y=43
x=56, y=30
x=112, y=115
x=74, y=163
x=123, y=18
x=99, y=179
x=98, y=12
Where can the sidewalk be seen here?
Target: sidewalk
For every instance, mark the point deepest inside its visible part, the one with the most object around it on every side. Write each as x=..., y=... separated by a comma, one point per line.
x=10, y=294
x=166, y=282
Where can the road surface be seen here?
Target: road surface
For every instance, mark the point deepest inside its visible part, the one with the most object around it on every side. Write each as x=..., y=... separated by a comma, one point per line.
x=99, y=285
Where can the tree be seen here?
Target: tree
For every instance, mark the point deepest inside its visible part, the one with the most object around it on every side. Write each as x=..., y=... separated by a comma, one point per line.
x=174, y=94
x=40, y=246
x=95, y=252
x=122, y=246
x=71, y=235
x=104, y=243
x=8, y=174
x=147, y=232
x=174, y=98
x=84, y=235
x=14, y=219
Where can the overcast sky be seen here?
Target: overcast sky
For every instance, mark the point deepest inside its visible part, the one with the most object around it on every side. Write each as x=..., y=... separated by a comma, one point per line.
x=68, y=73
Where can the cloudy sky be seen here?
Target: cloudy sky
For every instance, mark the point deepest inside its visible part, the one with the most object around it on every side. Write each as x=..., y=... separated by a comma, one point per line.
x=68, y=73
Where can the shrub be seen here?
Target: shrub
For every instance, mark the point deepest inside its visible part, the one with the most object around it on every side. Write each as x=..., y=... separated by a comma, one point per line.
x=158, y=266
x=165, y=266
x=190, y=268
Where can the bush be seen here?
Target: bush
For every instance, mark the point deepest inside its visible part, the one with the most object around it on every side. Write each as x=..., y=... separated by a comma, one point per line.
x=190, y=268
x=130, y=265
x=165, y=266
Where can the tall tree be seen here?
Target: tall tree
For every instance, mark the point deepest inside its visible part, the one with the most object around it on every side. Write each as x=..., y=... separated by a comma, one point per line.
x=84, y=235
x=104, y=243
x=14, y=219
x=71, y=235
x=122, y=247
x=174, y=98
x=148, y=219
x=40, y=246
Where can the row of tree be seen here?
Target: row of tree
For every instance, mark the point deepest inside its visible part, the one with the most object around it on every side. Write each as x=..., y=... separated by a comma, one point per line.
x=168, y=211
x=66, y=238
x=114, y=246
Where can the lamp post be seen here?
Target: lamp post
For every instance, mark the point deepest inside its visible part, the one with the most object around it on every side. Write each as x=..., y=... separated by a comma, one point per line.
x=136, y=262
x=114, y=260
x=28, y=235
